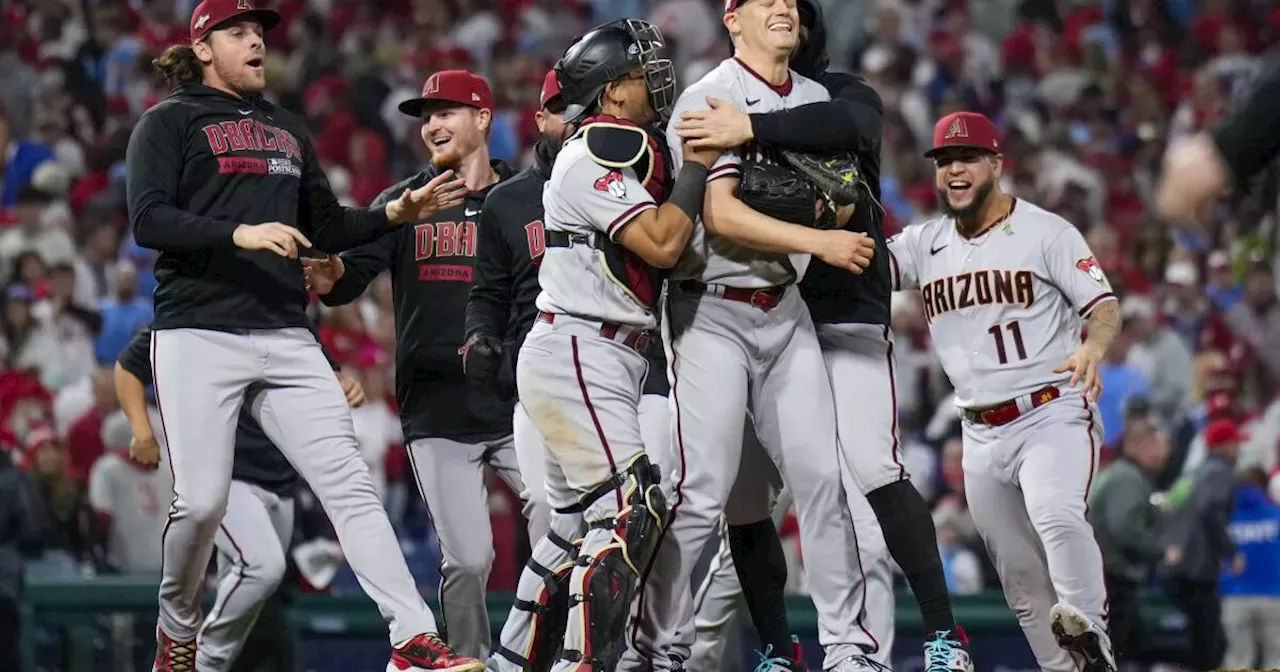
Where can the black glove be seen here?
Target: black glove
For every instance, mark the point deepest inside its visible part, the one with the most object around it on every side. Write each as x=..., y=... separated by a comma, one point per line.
x=837, y=176
x=481, y=358
x=779, y=192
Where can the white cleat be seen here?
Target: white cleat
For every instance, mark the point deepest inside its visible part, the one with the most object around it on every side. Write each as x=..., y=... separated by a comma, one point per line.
x=1080, y=637
x=859, y=664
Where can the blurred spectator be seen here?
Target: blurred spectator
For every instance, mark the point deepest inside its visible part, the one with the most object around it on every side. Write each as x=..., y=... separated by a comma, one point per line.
x=1129, y=528
x=31, y=231
x=1199, y=545
x=131, y=501
x=84, y=436
x=1256, y=320
x=1185, y=307
x=70, y=542
x=21, y=529
x=22, y=155
x=74, y=327
x=31, y=345
x=123, y=314
x=1161, y=356
x=1251, y=589
x=377, y=424
x=1121, y=381
x=960, y=565
x=1223, y=288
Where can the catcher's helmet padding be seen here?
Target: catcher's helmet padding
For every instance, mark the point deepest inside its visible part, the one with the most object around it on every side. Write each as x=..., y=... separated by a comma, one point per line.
x=810, y=58
x=609, y=52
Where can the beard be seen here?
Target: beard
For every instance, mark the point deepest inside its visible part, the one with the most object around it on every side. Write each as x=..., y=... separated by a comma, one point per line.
x=448, y=159
x=240, y=81
x=980, y=195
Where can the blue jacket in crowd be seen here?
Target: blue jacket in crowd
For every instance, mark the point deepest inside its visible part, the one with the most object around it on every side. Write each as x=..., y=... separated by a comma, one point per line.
x=1255, y=527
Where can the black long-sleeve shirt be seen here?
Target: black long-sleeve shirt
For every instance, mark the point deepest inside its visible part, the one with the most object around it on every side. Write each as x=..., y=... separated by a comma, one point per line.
x=1249, y=136
x=432, y=270
x=852, y=120
x=257, y=459
x=202, y=162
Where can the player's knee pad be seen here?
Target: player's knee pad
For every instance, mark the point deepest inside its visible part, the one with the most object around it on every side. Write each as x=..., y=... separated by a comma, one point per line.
x=612, y=572
x=548, y=612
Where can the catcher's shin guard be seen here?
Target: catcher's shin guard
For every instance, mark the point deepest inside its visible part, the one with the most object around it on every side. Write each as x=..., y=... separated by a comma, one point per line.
x=548, y=612
x=610, y=573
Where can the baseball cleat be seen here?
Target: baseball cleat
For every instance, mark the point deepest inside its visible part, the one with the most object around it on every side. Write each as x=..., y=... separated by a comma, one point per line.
x=792, y=663
x=1081, y=638
x=429, y=653
x=173, y=656
x=860, y=664
x=944, y=651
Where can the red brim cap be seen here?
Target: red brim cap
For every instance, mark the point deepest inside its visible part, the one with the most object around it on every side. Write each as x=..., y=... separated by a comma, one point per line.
x=965, y=130
x=211, y=14
x=731, y=5
x=550, y=88
x=450, y=87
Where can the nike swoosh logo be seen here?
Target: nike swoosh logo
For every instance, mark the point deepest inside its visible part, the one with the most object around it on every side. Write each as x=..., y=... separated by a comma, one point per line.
x=246, y=112
x=935, y=250
x=470, y=213
x=752, y=102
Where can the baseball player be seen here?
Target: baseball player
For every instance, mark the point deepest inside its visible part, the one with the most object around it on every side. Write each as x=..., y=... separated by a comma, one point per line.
x=253, y=537
x=500, y=313
x=453, y=429
x=741, y=341
x=1004, y=286
x=581, y=370
x=227, y=187
x=852, y=312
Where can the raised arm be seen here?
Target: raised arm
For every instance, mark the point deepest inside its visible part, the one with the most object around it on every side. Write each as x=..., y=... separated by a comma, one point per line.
x=154, y=166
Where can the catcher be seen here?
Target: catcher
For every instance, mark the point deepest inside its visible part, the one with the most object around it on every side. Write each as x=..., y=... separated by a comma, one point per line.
x=852, y=313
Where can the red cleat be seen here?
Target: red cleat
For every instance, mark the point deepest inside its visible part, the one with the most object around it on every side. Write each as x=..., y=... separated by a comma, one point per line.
x=173, y=656
x=429, y=653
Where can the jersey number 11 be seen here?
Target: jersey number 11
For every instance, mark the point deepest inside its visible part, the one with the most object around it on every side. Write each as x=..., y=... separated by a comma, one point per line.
x=998, y=334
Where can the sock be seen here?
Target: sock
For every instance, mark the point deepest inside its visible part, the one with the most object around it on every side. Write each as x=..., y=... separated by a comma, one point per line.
x=912, y=541
x=762, y=571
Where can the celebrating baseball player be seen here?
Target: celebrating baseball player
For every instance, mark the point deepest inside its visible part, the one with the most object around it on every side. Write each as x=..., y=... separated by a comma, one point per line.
x=742, y=341
x=1004, y=286
x=253, y=538
x=581, y=370
x=852, y=312
x=453, y=429
x=227, y=187
x=500, y=314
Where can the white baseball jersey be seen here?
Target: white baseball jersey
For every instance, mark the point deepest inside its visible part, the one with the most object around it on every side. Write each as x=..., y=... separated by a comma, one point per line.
x=712, y=259
x=137, y=500
x=585, y=198
x=1005, y=307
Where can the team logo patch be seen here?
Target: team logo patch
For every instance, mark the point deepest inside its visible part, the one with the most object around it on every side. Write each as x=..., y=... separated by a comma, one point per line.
x=958, y=129
x=243, y=4
x=204, y=18
x=612, y=184
x=1090, y=266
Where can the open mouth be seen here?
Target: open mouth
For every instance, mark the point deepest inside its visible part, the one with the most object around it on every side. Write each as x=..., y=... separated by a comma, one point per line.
x=255, y=62
x=441, y=141
x=782, y=27
x=959, y=188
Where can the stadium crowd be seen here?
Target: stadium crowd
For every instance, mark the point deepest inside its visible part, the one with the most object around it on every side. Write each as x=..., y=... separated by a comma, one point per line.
x=1087, y=93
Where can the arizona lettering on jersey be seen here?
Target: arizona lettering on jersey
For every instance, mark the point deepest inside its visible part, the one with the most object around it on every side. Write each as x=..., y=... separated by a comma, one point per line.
x=1006, y=307
x=712, y=259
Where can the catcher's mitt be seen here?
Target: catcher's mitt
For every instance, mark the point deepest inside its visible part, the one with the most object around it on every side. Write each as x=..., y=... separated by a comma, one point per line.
x=837, y=176
x=779, y=192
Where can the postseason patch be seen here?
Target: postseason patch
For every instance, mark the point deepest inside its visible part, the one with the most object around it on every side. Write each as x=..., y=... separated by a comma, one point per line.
x=283, y=167
x=1090, y=266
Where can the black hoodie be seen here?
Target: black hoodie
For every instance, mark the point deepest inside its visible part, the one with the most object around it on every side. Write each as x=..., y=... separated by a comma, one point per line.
x=200, y=163
x=432, y=268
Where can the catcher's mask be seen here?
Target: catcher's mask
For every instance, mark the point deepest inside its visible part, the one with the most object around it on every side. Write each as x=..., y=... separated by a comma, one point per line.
x=610, y=52
x=810, y=57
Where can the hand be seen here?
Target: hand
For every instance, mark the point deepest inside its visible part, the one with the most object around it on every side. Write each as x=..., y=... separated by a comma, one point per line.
x=145, y=450
x=849, y=250
x=1237, y=565
x=723, y=126
x=481, y=357
x=1193, y=176
x=272, y=236
x=322, y=274
x=1083, y=365
x=444, y=191
x=352, y=388
x=1172, y=556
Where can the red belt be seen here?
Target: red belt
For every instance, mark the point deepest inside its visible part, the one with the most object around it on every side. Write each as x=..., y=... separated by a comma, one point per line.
x=1006, y=412
x=638, y=339
x=765, y=299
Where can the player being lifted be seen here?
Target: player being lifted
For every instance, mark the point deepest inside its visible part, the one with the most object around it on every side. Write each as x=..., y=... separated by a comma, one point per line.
x=1004, y=286
x=581, y=369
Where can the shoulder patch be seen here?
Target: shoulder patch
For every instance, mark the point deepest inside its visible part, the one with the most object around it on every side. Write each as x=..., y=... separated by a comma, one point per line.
x=615, y=145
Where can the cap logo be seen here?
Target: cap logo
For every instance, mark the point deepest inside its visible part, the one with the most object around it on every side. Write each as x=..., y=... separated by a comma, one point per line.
x=633, y=49
x=243, y=4
x=432, y=85
x=204, y=18
x=475, y=96
x=957, y=130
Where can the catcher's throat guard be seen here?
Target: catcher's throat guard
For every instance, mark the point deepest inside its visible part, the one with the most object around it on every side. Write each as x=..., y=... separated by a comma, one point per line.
x=611, y=573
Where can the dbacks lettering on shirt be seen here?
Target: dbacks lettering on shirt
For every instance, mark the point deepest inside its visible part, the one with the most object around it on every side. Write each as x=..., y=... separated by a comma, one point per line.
x=251, y=135
x=536, y=234
x=435, y=241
